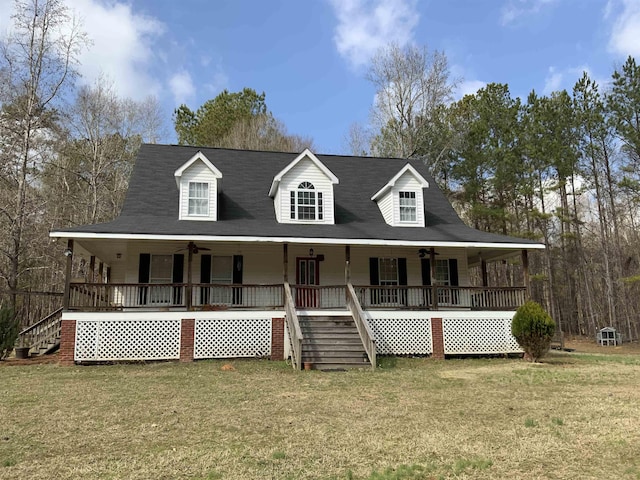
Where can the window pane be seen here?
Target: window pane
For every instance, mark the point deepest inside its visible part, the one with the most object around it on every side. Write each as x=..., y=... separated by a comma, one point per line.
x=198, y=198
x=161, y=269
x=388, y=271
x=442, y=272
x=221, y=269
x=408, y=207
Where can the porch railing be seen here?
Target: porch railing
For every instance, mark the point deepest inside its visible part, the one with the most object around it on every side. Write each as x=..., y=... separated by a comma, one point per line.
x=319, y=296
x=474, y=298
x=117, y=296
x=42, y=333
x=366, y=334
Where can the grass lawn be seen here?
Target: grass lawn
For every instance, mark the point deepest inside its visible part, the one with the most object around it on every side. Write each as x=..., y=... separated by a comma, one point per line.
x=574, y=416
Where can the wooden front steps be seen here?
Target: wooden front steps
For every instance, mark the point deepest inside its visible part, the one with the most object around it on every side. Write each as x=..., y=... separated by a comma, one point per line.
x=332, y=343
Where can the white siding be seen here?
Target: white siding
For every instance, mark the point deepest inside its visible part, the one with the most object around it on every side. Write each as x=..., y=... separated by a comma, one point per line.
x=263, y=263
x=198, y=172
x=276, y=201
x=389, y=204
x=304, y=171
x=385, y=204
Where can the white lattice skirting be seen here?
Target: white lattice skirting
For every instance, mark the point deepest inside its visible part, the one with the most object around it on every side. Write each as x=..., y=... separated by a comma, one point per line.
x=127, y=339
x=228, y=338
x=402, y=333
x=487, y=333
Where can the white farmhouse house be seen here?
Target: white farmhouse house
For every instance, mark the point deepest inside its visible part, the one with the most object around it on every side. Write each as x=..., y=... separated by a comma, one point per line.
x=327, y=260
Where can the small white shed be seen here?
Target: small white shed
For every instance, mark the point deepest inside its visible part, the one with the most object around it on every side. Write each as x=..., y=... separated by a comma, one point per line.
x=608, y=336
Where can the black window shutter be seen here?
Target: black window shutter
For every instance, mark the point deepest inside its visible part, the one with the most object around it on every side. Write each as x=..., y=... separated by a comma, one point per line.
x=453, y=272
x=205, y=269
x=237, y=269
x=236, y=276
x=425, y=263
x=143, y=276
x=177, y=277
x=205, y=277
x=374, y=277
x=178, y=268
x=143, y=267
x=402, y=271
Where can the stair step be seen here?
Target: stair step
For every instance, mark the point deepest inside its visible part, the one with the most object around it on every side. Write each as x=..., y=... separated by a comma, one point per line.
x=353, y=342
x=331, y=334
x=334, y=356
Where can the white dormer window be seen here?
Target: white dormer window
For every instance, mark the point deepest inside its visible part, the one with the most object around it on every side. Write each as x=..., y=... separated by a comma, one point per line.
x=401, y=200
x=199, y=183
x=306, y=203
x=407, y=206
x=302, y=191
x=198, y=198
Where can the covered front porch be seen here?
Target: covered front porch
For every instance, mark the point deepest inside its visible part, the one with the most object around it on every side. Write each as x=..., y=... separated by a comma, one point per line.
x=187, y=276
x=333, y=305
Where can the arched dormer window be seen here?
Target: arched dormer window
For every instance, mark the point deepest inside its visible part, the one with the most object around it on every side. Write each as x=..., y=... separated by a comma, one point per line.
x=306, y=203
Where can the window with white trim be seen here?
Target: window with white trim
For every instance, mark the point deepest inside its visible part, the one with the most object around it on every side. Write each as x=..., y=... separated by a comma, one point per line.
x=408, y=209
x=306, y=203
x=221, y=273
x=442, y=272
x=198, y=199
x=388, y=275
x=161, y=271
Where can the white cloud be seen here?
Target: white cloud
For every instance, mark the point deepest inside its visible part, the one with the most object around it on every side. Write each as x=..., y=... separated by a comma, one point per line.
x=565, y=78
x=469, y=87
x=515, y=9
x=366, y=25
x=553, y=81
x=182, y=87
x=122, y=44
x=625, y=32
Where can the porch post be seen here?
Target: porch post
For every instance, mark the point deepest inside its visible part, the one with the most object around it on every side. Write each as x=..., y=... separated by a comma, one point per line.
x=525, y=274
x=92, y=268
x=285, y=261
x=347, y=264
x=434, y=287
x=101, y=272
x=67, y=280
x=187, y=300
x=483, y=269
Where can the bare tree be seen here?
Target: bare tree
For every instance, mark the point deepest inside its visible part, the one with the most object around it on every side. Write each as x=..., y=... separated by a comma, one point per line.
x=38, y=60
x=358, y=141
x=411, y=84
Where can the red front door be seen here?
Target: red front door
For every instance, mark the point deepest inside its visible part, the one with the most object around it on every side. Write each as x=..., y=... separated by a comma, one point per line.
x=307, y=279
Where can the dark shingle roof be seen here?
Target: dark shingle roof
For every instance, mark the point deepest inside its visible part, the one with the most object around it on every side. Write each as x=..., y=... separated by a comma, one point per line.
x=245, y=209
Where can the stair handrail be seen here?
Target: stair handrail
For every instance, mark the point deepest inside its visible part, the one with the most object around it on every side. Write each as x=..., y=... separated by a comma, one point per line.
x=50, y=322
x=366, y=334
x=293, y=326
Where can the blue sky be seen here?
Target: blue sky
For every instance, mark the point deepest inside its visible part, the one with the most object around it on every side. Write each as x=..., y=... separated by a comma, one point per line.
x=310, y=57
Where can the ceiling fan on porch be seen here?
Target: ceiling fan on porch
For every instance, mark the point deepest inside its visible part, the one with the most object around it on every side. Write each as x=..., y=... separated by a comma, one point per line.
x=193, y=248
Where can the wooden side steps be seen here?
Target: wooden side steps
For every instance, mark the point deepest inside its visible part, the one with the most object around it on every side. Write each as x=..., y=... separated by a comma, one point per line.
x=332, y=343
x=44, y=336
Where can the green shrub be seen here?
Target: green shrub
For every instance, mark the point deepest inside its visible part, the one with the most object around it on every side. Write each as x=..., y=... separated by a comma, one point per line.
x=533, y=328
x=8, y=331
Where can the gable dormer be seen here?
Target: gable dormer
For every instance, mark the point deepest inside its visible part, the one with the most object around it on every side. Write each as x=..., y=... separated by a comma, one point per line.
x=401, y=200
x=198, y=181
x=302, y=192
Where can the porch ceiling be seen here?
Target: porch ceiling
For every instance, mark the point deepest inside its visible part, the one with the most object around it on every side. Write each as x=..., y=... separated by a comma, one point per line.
x=107, y=249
